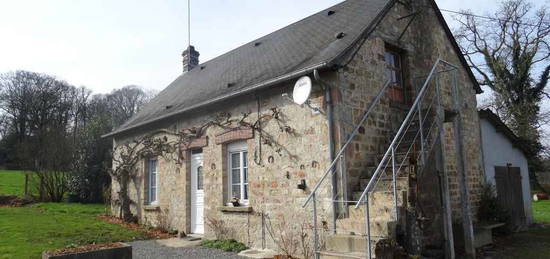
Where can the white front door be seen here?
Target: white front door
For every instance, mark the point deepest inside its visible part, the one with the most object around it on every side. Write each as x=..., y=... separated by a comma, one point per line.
x=197, y=194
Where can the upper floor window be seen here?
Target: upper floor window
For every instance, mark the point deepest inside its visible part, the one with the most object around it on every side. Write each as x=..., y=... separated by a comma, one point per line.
x=152, y=189
x=393, y=68
x=238, y=171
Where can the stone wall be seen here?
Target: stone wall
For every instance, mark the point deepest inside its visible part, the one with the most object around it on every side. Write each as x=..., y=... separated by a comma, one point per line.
x=278, y=160
x=363, y=77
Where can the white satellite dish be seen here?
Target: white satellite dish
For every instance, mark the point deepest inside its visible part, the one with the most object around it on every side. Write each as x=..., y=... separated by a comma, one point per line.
x=302, y=89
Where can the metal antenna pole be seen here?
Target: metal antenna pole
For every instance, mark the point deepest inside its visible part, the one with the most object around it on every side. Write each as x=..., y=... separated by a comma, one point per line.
x=188, y=24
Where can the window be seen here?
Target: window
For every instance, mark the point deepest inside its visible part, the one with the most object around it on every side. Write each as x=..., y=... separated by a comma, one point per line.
x=238, y=171
x=393, y=68
x=153, y=180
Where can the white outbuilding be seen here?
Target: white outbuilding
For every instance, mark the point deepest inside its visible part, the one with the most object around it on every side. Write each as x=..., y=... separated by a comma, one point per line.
x=506, y=167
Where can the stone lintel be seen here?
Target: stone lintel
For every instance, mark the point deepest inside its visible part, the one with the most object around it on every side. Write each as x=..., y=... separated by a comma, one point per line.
x=195, y=143
x=234, y=135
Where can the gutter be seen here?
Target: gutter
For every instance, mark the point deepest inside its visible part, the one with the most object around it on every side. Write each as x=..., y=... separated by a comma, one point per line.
x=330, y=118
x=251, y=89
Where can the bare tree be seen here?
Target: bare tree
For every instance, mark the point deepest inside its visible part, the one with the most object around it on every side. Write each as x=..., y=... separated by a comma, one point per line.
x=506, y=50
x=39, y=109
x=126, y=102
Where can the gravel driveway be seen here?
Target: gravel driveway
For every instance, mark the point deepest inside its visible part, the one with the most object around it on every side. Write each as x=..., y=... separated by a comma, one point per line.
x=151, y=249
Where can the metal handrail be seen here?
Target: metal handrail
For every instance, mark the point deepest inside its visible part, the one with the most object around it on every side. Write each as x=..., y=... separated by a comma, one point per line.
x=399, y=132
x=349, y=140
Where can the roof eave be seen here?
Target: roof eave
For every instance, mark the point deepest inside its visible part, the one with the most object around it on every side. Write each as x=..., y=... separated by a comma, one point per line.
x=452, y=38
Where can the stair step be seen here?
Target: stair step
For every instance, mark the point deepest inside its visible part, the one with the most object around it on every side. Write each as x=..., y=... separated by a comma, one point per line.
x=384, y=184
x=348, y=243
x=342, y=255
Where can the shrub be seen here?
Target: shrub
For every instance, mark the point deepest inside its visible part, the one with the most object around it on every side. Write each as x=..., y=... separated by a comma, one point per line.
x=489, y=209
x=228, y=245
x=221, y=231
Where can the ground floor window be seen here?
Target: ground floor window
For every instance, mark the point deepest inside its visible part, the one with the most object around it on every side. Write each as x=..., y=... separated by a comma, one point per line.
x=238, y=171
x=152, y=189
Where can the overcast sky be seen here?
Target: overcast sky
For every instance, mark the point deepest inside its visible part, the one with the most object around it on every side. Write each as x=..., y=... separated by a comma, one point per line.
x=105, y=44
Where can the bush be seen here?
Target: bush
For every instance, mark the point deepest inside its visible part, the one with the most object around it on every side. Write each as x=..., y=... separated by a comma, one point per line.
x=489, y=209
x=228, y=245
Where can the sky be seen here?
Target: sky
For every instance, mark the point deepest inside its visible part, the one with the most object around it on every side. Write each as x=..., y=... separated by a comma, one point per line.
x=105, y=44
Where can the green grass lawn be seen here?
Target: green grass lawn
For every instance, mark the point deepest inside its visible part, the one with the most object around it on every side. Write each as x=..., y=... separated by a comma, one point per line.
x=27, y=231
x=12, y=183
x=541, y=211
x=533, y=243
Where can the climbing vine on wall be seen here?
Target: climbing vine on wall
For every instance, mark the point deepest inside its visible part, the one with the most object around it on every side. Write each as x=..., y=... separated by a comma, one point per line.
x=167, y=144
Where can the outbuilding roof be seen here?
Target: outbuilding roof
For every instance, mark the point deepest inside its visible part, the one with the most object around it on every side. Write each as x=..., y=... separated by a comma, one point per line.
x=501, y=127
x=318, y=41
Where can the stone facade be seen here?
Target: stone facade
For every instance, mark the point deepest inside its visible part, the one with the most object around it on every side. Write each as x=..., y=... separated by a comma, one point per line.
x=277, y=166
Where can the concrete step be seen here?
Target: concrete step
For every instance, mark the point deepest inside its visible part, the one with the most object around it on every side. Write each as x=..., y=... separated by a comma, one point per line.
x=381, y=227
x=343, y=255
x=384, y=184
x=344, y=243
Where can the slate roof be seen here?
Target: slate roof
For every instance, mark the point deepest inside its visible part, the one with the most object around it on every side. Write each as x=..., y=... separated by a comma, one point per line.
x=295, y=50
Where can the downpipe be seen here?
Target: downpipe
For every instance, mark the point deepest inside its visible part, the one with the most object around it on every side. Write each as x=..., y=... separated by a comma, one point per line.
x=330, y=117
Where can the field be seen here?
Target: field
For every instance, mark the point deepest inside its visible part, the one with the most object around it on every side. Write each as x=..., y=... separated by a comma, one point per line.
x=27, y=231
x=541, y=211
x=12, y=183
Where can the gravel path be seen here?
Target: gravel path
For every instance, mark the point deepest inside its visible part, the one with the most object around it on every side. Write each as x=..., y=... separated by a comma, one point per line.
x=152, y=250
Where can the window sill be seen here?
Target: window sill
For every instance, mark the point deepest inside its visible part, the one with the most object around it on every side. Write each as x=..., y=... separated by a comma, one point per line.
x=241, y=209
x=151, y=207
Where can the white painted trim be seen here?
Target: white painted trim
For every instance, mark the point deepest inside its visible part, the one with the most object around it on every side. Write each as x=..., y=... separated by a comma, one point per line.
x=237, y=147
x=149, y=186
x=196, y=162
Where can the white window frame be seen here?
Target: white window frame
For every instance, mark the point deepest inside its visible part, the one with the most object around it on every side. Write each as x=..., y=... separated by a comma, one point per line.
x=241, y=148
x=152, y=172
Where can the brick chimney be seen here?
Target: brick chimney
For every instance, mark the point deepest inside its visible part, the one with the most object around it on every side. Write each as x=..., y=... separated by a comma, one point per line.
x=190, y=58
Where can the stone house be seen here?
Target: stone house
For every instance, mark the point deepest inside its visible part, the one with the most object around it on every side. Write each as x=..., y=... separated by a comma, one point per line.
x=391, y=119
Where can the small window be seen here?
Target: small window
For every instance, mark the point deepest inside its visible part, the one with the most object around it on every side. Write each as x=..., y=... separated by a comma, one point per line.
x=393, y=68
x=238, y=171
x=153, y=181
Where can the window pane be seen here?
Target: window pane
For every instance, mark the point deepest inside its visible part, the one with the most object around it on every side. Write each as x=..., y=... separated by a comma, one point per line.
x=235, y=176
x=245, y=197
x=235, y=160
x=152, y=165
x=153, y=194
x=236, y=191
x=388, y=58
x=245, y=175
x=199, y=178
x=153, y=180
x=245, y=159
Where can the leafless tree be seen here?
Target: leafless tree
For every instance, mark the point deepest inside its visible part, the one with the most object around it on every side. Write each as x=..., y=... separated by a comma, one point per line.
x=126, y=102
x=506, y=50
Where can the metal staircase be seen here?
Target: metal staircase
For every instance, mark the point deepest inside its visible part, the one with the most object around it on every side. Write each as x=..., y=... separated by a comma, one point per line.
x=383, y=193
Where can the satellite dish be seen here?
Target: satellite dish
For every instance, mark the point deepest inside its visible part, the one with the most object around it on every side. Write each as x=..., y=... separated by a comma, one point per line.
x=302, y=89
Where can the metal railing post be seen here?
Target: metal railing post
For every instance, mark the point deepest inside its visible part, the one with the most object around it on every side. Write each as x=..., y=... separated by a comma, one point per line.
x=437, y=91
x=367, y=222
x=420, y=126
x=315, y=232
x=394, y=171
